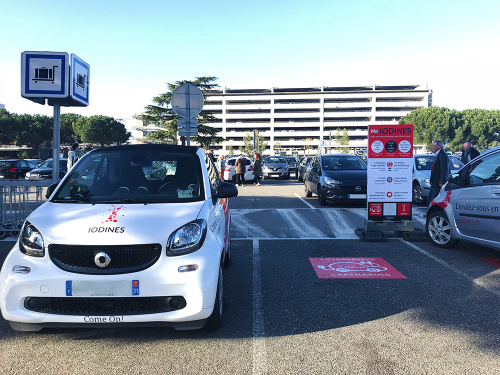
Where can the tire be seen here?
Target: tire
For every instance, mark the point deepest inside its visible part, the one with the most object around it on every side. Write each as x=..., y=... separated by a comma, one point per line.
x=321, y=197
x=20, y=176
x=438, y=230
x=416, y=195
x=228, y=259
x=214, y=321
x=287, y=176
x=307, y=191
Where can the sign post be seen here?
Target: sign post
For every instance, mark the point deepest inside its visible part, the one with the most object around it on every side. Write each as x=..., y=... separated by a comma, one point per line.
x=48, y=76
x=390, y=168
x=187, y=101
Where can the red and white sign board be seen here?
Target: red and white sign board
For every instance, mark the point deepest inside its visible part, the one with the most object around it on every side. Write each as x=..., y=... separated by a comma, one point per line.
x=494, y=261
x=354, y=268
x=390, y=170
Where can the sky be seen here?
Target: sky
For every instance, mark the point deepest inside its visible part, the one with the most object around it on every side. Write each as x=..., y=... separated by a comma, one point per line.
x=135, y=48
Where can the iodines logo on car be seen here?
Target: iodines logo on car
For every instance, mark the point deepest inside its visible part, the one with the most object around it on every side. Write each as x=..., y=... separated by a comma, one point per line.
x=106, y=229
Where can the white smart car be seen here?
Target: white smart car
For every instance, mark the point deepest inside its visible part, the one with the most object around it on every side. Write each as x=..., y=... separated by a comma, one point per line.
x=468, y=206
x=133, y=235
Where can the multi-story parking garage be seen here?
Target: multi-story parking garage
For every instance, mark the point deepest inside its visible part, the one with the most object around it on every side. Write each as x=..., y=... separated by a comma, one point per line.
x=300, y=118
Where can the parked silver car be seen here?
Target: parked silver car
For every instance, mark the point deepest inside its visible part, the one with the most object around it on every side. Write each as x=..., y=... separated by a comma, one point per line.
x=422, y=174
x=468, y=206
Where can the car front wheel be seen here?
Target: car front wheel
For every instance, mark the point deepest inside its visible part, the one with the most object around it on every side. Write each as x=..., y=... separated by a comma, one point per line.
x=307, y=191
x=417, y=194
x=321, y=197
x=214, y=321
x=438, y=230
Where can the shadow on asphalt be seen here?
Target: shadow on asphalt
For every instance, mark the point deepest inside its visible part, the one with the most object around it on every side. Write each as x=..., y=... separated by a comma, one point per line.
x=297, y=302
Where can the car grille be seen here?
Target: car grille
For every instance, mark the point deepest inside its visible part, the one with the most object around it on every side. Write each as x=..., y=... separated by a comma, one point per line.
x=104, y=306
x=352, y=189
x=124, y=258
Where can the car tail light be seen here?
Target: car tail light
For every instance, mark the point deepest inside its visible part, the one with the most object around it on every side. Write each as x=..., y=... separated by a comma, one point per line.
x=250, y=168
x=12, y=170
x=227, y=168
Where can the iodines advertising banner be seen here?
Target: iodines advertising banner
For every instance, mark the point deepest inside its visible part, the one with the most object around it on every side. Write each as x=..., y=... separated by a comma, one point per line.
x=390, y=170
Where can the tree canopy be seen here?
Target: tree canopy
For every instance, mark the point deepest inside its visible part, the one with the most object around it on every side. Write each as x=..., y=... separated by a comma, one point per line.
x=247, y=148
x=479, y=126
x=161, y=114
x=102, y=130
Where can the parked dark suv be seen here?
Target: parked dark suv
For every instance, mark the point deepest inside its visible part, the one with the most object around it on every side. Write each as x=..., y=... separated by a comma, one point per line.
x=44, y=171
x=14, y=168
x=336, y=177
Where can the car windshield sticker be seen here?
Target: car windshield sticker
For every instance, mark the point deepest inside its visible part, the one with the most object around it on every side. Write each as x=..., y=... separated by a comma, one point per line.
x=494, y=261
x=354, y=268
x=185, y=193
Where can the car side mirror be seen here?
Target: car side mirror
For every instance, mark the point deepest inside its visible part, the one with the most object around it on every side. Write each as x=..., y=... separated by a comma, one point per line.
x=454, y=179
x=227, y=190
x=50, y=190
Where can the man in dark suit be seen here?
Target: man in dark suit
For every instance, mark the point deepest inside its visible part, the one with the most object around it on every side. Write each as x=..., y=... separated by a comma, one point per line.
x=440, y=170
x=469, y=153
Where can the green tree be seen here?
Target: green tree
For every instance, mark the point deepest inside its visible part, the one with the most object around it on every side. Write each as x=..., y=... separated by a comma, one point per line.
x=344, y=141
x=432, y=123
x=230, y=148
x=7, y=127
x=31, y=130
x=68, y=135
x=160, y=136
x=101, y=130
x=277, y=146
x=247, y=148
x=161, y=114
x=478, y=126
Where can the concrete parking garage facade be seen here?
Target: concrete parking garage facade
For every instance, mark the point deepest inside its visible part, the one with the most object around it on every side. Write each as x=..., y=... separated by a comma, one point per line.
x=294, y=115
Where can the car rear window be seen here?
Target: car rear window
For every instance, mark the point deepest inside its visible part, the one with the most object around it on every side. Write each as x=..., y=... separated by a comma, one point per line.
x=134, y=176
x=5, y=164
x=231, y=162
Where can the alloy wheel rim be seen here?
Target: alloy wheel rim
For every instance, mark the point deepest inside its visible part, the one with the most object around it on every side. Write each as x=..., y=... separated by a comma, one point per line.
x=439, y=230
x=417, y=194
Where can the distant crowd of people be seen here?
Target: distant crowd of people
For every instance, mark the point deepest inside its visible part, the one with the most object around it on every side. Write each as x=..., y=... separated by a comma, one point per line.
x=240, y=167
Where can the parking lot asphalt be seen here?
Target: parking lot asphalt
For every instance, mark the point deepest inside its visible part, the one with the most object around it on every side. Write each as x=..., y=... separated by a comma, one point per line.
x=440, y=317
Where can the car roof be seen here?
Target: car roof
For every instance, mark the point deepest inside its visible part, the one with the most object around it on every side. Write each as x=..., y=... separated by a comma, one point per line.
x=164, y=147
x=11, y=159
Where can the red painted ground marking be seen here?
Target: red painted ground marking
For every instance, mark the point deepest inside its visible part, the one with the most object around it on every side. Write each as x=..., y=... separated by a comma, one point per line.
x=494, y=261
x=354, y=268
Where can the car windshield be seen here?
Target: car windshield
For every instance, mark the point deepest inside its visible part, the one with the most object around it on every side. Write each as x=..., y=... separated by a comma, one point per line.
x=49, y=163
x=424, y=162
x=291, y=160
x=275, y=159
x=340, y=163
x=134, y=176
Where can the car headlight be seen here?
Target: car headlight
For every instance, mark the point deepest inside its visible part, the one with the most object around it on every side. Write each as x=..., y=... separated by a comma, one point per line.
x=187, y=239
x=331, y=182
x=427, y=181
x=31, y=241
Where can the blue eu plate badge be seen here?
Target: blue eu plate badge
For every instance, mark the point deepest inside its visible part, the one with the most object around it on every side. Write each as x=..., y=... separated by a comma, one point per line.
x=69, y=288
x=135, y=287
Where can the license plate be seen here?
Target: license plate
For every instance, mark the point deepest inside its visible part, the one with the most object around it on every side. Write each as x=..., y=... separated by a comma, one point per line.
x=125, y=288
x=357, y=196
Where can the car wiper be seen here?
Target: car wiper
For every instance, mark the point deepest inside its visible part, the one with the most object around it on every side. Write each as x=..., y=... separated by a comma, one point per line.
x=124, y=200
x=71, y=200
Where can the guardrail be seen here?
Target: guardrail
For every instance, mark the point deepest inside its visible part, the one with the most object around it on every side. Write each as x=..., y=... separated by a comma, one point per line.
x=18, y=199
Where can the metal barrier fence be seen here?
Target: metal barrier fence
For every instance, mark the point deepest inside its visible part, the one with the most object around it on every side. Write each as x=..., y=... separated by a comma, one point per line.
x=18, y=199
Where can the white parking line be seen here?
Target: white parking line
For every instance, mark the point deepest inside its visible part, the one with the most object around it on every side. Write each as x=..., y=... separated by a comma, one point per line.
x=338, y=224
x=259, y=332
x=299, y=225
x=247, y=228
x=303, y=200
x=452, y=268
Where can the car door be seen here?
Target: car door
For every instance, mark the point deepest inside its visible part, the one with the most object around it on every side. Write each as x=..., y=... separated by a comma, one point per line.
x=218, y=216
x=314, y=174
x=476, y=204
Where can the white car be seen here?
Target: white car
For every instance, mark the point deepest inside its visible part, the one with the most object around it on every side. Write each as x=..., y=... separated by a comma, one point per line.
x=468, y=206
x=230, y=170
x=133, y=235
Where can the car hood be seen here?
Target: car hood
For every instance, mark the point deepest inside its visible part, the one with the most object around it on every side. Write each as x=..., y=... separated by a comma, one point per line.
x=111, y=224
x=275, y=165
x=348, y=177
